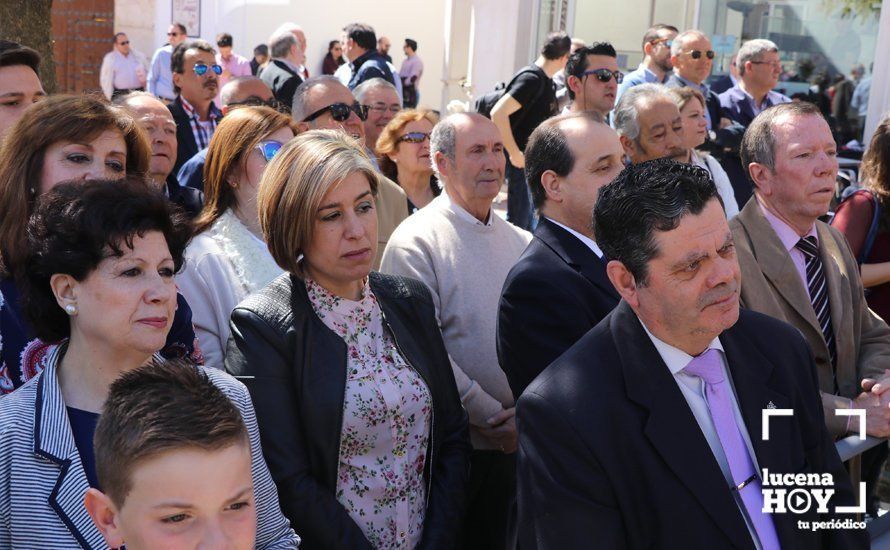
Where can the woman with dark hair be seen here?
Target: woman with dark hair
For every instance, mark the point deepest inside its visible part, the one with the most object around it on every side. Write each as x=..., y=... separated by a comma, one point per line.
x=98, y=274
x=868, y=230
x=228, y=259
x=61, y=138
x=334, y=58
x=359, y=415
x=404, y=151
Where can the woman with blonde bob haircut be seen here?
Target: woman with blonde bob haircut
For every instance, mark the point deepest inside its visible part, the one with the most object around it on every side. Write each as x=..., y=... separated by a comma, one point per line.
x=404, y=151
x=359, y=416
x=228, y=259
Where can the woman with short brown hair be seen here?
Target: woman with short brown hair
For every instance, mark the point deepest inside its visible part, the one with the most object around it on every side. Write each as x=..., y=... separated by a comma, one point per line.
x=404, y=151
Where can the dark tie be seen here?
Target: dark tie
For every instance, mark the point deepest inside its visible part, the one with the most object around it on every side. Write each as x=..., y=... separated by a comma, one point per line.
x=817, y=286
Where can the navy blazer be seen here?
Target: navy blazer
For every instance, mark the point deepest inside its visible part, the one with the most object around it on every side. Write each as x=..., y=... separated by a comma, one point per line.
x=736, y=106
x=609, y=450
x=42, y=481
x=556, y=292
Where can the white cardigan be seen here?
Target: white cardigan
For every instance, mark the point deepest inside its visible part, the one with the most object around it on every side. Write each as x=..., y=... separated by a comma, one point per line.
x=222, y=266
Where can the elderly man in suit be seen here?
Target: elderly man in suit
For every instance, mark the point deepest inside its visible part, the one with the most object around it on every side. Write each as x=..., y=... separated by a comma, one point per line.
x=800, y=270
x=558, y=290
x=647, y=432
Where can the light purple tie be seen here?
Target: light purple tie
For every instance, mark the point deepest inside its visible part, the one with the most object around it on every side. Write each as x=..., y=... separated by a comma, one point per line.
x=709, y=367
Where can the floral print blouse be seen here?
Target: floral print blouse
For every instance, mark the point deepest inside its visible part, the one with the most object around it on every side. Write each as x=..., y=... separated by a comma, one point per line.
x=387, y=411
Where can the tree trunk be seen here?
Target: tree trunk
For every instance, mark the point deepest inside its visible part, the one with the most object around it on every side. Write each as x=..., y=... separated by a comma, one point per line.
x=29, y=22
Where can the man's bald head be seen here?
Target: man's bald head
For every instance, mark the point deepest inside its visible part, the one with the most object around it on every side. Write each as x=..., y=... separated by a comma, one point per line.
x=244, y=88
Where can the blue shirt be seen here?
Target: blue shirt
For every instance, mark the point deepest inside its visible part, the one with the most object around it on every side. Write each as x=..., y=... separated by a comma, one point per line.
x=634, y=78
x=738, y=106
x=860, y=96
x=160, y=76
x=704, y=89
x=83, y=426
x=191, y=174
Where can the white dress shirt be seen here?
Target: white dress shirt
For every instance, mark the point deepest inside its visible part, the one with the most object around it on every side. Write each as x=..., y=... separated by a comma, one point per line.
x=591, y=244
x=122, y=72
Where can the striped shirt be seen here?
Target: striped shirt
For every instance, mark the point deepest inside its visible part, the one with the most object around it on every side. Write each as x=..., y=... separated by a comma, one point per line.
x=202, y=129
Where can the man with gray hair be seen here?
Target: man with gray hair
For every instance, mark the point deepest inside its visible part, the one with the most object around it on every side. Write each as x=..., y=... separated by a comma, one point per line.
x=282, y=74
x=759, y=69
x=648, y=124
x=383, y=103
x=463, y=251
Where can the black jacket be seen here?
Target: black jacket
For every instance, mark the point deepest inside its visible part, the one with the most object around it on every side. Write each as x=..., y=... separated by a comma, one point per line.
x=186, y=146
x=282, y=80
x=189, y=199
x=295, y=369
x=556, y=292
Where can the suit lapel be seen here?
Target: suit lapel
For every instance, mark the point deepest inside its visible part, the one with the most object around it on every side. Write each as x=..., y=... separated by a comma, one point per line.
x=576, y=254
x=54, y=441
x=671, y=426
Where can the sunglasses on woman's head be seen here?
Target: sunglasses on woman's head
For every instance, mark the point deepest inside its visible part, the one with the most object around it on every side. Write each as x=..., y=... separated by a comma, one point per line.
x=696, y=54
x=269, y=148
x=414, y=137
x=605, y=75
x=340, y=112
x=201, y=69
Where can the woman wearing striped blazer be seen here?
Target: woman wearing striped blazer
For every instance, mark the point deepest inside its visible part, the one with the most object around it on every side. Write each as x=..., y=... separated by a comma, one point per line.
x=98, y=277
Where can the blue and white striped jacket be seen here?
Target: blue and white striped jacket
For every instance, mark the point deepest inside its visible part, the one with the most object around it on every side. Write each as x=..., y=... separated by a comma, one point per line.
x=42, y=481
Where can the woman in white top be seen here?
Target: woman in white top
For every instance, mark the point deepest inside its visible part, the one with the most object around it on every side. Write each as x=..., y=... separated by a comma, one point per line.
x=695, y=130
x=228, y=258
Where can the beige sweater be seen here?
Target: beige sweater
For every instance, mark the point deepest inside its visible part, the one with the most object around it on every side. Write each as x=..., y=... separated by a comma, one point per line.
x=464, y=263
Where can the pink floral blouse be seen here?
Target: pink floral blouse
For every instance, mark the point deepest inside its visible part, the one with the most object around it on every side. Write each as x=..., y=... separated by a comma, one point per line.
x=387, y=410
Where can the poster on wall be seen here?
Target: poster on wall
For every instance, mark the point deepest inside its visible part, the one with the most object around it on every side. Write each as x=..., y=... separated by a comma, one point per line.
x=188, y=12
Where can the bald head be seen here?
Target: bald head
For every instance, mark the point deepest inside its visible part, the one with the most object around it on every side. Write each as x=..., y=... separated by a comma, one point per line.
x=244, y=88
x=154, y=117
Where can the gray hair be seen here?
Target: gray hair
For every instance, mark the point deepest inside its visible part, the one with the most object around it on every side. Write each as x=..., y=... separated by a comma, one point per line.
x=442, y=140
x=225, y=95
x=281, y=42
x=759, y=142
x=625, y=113
x=679, y=42
x=298, y=108
x=373, y=83
x=753, y=50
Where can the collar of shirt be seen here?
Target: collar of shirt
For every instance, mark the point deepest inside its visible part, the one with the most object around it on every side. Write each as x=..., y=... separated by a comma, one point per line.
x=290, y=65
x=768, y=100
x=786, y=234
x=703, y=88
x=591, y=244
x=459, y=210
x=649, y=76
x=212, y=112
x=675, y=358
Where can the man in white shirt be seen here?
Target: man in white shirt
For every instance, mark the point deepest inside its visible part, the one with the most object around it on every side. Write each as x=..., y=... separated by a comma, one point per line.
x=123, y=69
x=160, y=76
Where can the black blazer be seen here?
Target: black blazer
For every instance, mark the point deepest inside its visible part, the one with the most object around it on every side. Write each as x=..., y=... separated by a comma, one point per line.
x=189, y=199
x=295, y=370
x=186, y=146
x=556, y=292
x=609, y=450
x=282, y=81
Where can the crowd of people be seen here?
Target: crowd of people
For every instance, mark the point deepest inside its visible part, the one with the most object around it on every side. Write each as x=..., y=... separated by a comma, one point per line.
x=251, y=307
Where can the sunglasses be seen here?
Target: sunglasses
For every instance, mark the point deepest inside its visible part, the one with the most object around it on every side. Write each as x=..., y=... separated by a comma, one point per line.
x=666, y=41
x=254, y=101
x=696, y=54
x=414, y=137
x=124, y=43
x=201, y=69
x=174, y=33
x=269, y=149
x=340, y=112
x=381, y=107
x=605, y=75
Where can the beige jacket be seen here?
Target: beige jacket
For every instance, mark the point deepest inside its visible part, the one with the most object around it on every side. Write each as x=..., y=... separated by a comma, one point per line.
x=392, y=209
x=772, y=285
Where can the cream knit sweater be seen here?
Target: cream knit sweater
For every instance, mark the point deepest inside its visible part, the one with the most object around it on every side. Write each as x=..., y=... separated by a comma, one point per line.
x=464, y=263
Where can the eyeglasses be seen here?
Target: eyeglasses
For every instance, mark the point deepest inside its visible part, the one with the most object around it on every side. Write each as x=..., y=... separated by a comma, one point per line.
x=254, y=101
x=381, y=107
x=668, y=42
x=696, y=54
x=124, y=43
x=340, y=112
x=174, y=33
x=776, y=64
x=269, y=149
x=414, y=137
x=201, y=69
x=605, y=75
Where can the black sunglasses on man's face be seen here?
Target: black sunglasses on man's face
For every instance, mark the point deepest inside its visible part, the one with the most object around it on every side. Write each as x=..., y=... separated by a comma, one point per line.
x=340, y=112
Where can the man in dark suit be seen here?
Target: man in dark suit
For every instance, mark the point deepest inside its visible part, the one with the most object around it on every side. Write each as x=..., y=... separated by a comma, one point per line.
x=282, y=73
x=558, y=290
x=647, y=432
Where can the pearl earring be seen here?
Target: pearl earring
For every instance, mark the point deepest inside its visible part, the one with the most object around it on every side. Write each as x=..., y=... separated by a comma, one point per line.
x=71, y=309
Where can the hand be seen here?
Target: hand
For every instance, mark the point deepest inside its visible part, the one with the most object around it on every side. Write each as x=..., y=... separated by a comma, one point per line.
x=724, y=123
x=877, y=414
x=878, y=386
x=502, y=430
x=518, y=160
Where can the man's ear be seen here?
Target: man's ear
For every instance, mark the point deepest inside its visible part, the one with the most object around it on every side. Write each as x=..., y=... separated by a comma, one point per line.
x=574, y=84
x=762, y=177
x=177, y=80
x=105, y=517
x=552, y=186
x=624, y=282
x=630, y=146
x=442, y=164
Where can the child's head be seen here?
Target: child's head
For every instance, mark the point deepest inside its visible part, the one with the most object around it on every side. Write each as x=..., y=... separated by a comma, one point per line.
x=173, y=461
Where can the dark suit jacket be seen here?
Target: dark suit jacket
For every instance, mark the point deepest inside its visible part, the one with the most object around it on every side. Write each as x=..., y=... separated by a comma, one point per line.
x=282, y=80
x=189, y=199
x=556, y=292
x=610, y=452
x=186, y=146
x=771, y=285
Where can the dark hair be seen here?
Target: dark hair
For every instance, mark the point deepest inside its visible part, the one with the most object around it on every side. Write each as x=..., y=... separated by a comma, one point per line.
x=548, y=149
x=76, y=225
x=759, y=142
x=651, y=34
x=114, y=38
x=362, y=34
x=177, y=59
x=224, y=40
x=875, y=169
x=645, y=198
x=13, y=53
x=411, y=44
x=331, y=45
x=160, y=407
x=262, y=49
x=577, y=63
x=556, y=45
x=181, y=28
